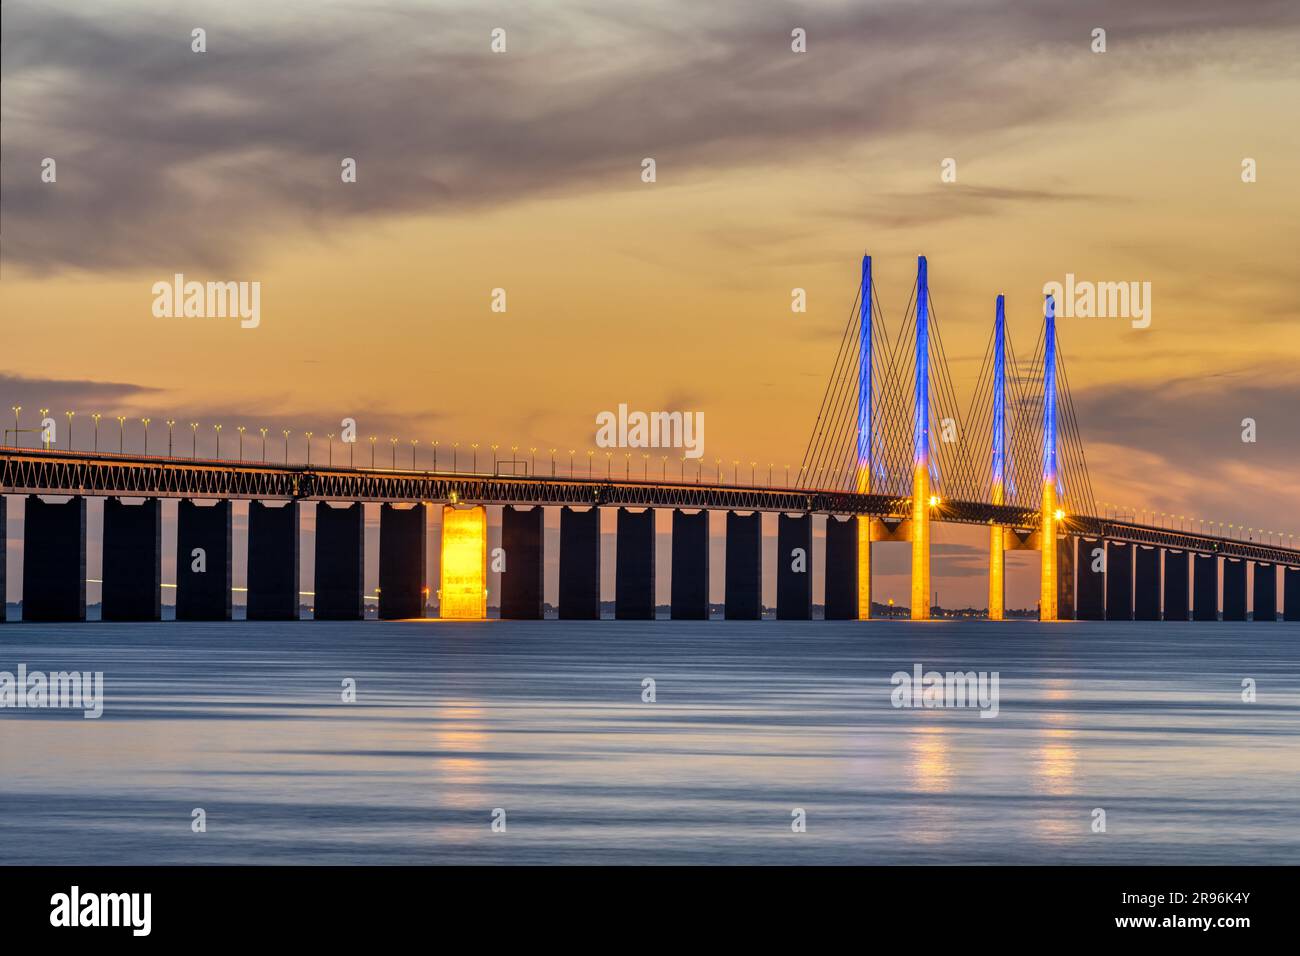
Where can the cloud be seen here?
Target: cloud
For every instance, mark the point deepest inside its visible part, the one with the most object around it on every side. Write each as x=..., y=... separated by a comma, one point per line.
x=180, y=161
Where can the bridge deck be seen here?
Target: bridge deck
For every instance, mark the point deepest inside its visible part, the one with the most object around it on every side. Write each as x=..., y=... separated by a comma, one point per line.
x=49, y=472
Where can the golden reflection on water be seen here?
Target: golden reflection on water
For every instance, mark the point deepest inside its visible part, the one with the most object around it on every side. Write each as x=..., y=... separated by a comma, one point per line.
x=931, y=759
x=1055, y=764
x=461, y=772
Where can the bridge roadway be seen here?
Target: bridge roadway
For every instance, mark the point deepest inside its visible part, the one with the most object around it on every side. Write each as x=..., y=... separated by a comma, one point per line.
x=26, y=471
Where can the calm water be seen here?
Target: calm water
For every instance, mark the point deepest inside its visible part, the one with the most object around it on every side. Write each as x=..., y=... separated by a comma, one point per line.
x=751, y=721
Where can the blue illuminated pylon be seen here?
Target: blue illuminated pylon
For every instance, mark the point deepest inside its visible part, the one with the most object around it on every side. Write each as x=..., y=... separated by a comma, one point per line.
x=864, y=381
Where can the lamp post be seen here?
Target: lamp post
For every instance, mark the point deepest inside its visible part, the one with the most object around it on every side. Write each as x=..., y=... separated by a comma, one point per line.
x=286, y=432
x=372, y=451
x=474, y=466
x=194, y=439
x=494, y=458
x=414, y=442
x=45, y=435
x=171, y=424
x=96, y=416
x=308, y=434
x=217, y=429
x=392, y=440
x=69, y=414
x=121, y=433
x=435, y=455
x=590, y=454
x=15, y=409
x=330, y=461
x=455, y=457
x=263, y=430
x=609, y=465
x=145, y=422
x=241, y=429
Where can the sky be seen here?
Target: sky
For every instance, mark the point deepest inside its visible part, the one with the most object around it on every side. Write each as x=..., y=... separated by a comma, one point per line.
x=775, y=170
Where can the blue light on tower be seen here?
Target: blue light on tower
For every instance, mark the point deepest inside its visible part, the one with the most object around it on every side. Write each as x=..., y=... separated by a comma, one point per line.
x=864, y=376
x=999, y=394
x=1049, y=391
x=921, y=427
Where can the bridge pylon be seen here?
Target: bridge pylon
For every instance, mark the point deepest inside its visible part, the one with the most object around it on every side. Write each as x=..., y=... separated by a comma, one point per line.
x=921, y=451
x=1048, y=592
x=864, y=456
x=997, y=533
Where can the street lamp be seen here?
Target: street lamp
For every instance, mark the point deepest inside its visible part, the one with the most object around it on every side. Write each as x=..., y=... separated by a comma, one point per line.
x=45, y=435
x=16, y=409
x=392, y=440
x=474, y=467
x=171, y=423
x=121, y=433
x=308, y=434
x=241, y=429
x=455, y=455
x=372, y=451
x=414, y=442
x=217, y=428
x=435, y=455
x=331, y=454
x=194, y=439
x=96, y=416
x=69, y=414
x=590, y=454
x=263, y=430
x=285, y=432
x=145, y=422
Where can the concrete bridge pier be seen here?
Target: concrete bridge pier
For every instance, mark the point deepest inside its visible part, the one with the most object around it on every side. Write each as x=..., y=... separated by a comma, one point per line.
x=203, y=565
x=340, y=562
x=1264, y=606
x=1092, y=580
x=634, y=565
x=1146, y=586
x=1234, y=589
x=273, y=561
x=402, y=545
x=132, y=588
x=842, y=568
x=1177, y=580
x=1291, y=594
x=1066, y=561
x=521, y=582
x=4, y=539
x=580, y=564
x=1205, y=588
x=54, y=560
x=1119, y=581
x=690, y=571
x=744, y=572
x=794, y=567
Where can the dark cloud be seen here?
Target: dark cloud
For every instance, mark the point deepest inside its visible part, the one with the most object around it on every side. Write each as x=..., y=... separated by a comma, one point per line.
x=174, y=160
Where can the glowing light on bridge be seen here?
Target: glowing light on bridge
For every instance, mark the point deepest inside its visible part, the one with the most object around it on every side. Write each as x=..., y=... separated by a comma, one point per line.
x=997, y=557
x=463, y=595
x=921, y=451
x=864, y=439
x=1048, y=594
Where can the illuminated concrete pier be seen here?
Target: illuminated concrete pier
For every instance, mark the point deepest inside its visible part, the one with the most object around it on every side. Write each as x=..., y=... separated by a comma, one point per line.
x=463, y=592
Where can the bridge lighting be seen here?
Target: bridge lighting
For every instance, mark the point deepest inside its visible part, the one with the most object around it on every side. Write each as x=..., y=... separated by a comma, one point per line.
x=590, y=454
x=69, y=414
x=1059, y=514
x=934, y=501
x=330, y=437
x=241, y=429
x=145, y=422
x=218, y=430
x=435, y=455
x=308, y=434
x=263, y=431
x=194, y=439
x=645, y=466
x=414, y=442
x=285, y=432
x=474, y=469
x=44, y=414
x=121, y=433
x=171, y=423
x=96, y=416
x=16, y=409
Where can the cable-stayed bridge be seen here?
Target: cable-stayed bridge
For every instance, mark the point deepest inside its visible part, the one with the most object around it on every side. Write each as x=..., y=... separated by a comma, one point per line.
x=891, y=451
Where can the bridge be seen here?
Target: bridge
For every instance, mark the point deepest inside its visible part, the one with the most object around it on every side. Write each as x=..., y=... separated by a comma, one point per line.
x=890, y=453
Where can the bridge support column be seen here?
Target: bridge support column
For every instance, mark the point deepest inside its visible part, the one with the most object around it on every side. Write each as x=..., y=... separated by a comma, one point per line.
x=1205, y=588
x=1092, y=579
x=690, y=573
x=1146, y=587
x=462, y=587
x=634, y=566
x=1049, y=582
x=1234, y=590
x=580, y=564
x=1177, y=580
x=132, y=589
x=4, y=541
x=864, y=568
x=203, y=561
x=1119, y=581
x=1065, y=574
x=842, y=572
x=273, y=562
x=1291, y=594
x=794, y=567
x=521, y=581
x=54, y=560
x=1264, y=606
x=401, y=562
x=921, y=543
x=744, y=572
x=997, y=573
x=340, y=562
